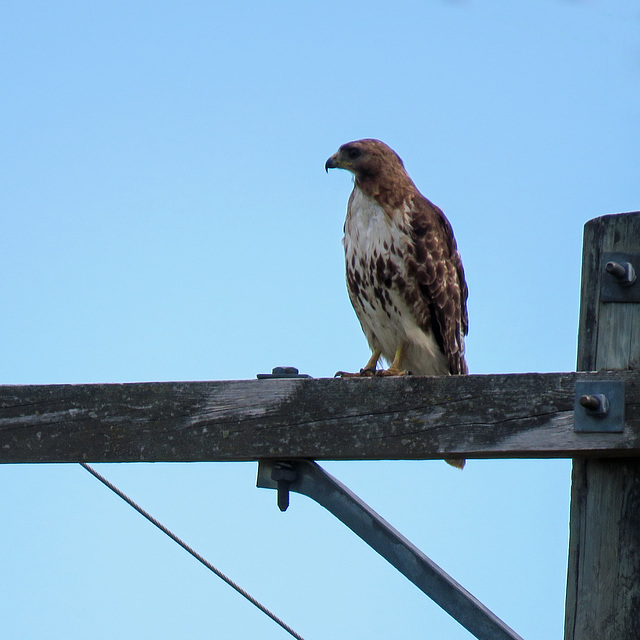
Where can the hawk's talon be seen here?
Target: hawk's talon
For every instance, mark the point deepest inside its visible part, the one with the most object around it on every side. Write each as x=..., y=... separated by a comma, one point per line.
x=392, y=372
x=363, y=373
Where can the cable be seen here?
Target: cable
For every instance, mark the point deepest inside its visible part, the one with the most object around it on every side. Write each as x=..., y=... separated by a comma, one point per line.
x=188, y=549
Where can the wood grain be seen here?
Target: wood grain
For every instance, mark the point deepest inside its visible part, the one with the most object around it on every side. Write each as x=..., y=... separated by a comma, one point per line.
x=491, y=416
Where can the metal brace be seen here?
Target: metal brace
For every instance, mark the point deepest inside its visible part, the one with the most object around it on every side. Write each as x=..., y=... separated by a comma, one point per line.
x=599, y=406
x=619, y=278
x=308, y=478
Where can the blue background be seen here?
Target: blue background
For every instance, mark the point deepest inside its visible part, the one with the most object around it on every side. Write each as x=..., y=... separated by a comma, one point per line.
x=165, y=215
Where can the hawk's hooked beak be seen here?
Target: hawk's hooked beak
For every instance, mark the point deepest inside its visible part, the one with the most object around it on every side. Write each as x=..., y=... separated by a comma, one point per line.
x=332, y=163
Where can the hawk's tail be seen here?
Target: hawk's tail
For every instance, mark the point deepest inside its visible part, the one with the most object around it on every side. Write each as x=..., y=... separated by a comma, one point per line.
x=458, y=463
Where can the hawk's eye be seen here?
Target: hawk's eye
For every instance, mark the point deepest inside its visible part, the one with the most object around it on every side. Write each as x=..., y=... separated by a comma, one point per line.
x=353, y=153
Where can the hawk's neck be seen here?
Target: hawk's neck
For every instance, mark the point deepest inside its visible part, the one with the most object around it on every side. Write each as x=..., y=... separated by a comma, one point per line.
x=392, y=192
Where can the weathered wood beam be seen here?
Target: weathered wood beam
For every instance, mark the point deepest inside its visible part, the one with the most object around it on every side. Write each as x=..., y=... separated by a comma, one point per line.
x=477, y=416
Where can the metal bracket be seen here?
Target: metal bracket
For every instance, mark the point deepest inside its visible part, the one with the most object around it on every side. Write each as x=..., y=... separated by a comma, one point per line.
x=282, y=372
x=619, y=277
x=308, y=478
x=599, y=406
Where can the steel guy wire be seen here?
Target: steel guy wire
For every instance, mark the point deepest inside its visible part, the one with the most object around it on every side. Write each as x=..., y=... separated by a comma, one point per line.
x=193, y=552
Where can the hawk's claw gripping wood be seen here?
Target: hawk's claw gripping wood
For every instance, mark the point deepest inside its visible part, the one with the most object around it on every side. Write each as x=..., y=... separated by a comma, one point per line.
x=372, y=373
x=392, y=372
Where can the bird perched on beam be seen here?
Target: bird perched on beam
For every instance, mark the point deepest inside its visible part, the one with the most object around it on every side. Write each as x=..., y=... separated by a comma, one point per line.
x=404, y=273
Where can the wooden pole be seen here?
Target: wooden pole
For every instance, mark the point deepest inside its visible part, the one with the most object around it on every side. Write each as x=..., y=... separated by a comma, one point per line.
x=603, y=580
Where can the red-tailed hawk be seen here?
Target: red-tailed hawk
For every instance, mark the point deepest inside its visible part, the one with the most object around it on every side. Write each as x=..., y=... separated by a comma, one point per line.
x=404, y=272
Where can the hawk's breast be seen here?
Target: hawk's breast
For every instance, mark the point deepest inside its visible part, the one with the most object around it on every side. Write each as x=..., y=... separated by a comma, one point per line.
x=375, y=246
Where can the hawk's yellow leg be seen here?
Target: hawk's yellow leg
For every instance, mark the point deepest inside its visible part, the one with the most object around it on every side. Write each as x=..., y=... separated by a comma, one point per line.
x=369, y=369
x=372, y=363
x=396, y=366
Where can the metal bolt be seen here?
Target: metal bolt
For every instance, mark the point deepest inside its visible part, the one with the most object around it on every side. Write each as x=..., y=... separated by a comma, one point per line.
x=596, y=404
x=623, y=272
x=284, y=474
x=283, y=372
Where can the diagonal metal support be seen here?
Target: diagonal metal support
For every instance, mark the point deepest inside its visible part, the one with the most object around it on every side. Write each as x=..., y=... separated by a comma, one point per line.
x=308, y=478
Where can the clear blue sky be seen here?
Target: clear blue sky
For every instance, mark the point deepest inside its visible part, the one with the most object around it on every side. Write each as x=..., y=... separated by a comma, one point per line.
x=165, y=215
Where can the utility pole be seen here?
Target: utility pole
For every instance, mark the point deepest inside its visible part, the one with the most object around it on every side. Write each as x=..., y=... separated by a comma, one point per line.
x=603, y=581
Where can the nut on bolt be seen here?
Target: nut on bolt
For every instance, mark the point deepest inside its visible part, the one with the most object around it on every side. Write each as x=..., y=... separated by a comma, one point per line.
x=596, y=404
x=623, y=272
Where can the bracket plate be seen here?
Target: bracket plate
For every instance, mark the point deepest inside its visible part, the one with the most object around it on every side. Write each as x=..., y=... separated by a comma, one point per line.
x=586, y=421
x=611, y=290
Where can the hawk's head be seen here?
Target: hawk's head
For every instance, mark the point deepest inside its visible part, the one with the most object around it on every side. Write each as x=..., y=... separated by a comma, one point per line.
x=366, y=159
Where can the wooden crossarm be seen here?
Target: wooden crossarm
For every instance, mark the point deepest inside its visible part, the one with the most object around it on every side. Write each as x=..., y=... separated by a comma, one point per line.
x=476, y=416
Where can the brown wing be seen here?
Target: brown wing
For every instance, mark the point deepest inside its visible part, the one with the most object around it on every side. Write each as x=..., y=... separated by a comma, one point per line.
x=437, y=290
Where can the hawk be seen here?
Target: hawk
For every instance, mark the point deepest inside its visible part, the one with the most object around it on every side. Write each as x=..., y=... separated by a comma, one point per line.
x=404, y=273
